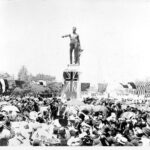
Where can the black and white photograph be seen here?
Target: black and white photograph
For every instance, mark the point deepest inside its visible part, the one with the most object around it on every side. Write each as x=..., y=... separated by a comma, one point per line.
x=74, y=73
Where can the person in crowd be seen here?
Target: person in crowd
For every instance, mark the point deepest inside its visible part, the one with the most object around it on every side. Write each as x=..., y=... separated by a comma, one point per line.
x=52, y=122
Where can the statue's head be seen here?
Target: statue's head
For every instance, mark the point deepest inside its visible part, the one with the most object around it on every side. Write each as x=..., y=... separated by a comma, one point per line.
x=74, y=29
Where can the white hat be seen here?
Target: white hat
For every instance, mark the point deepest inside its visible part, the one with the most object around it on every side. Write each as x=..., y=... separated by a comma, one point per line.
x=82, y=135
x=56, y=123
x=72, y=118
x=85, y=125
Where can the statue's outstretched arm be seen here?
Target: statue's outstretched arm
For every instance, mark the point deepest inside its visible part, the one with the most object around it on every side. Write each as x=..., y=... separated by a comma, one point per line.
x=68, y=35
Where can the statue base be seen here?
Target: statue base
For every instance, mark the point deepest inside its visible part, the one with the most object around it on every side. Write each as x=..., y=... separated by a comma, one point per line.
x=72, y=85
x=73, y=67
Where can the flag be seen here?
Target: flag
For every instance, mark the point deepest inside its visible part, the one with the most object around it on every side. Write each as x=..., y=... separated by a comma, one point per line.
x=3, y=85
x=70, y=89
x=132, y=88
x=19, y=83
x=132, y=85
x=70, y=76
x=6, y=84
x=102, y=87
x=140, y=88
x=124, y=86
x=1, y=89
x=147, y=89
x=70, y=83
x=85, y=86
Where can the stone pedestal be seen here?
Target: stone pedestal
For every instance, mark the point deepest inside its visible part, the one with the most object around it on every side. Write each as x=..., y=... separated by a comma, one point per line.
x=72, y=85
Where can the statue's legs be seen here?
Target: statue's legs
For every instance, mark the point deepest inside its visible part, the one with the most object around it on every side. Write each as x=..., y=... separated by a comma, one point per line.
x=76, y=54
x=71, y=50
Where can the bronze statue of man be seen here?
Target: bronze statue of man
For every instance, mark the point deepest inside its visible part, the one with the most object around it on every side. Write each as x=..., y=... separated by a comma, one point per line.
x=74, y=45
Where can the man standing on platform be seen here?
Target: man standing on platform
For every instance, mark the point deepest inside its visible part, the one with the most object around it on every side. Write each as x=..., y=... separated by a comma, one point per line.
x=74, y=45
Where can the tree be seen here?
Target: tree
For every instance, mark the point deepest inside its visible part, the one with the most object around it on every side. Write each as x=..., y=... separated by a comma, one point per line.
x=55, y=87
x=23, y=74
x=17, y=92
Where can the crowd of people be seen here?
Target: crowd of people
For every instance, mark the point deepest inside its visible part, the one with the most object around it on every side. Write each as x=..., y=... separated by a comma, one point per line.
x=36, y=121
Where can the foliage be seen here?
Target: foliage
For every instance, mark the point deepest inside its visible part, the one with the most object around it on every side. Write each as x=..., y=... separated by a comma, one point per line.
x=29, y=87
x=35, y=89
x=18, y=92
x=38, y=89
x=55, y=87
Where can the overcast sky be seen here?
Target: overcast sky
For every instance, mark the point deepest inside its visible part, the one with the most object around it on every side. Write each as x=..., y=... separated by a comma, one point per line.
x=115, y=36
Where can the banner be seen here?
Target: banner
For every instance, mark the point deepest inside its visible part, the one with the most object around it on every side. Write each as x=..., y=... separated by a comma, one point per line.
x=85, y=86
x=102, y=87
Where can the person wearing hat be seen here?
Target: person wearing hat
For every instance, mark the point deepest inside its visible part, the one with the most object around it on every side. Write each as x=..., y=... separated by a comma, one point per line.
x=146, y=137
x=6, y=133
x=87, y=140
x=62, y=136
x=85, y=127
x=21, y=135
x=36, y=142
x=121, y=139
x=73, y=120
x=74, y=139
